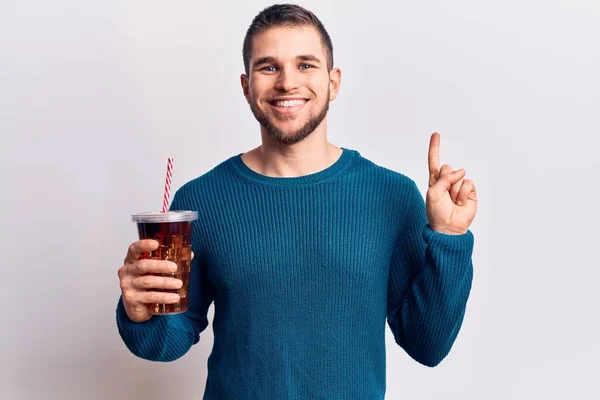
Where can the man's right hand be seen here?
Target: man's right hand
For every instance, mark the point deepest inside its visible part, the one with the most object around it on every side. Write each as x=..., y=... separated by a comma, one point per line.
x=139, y=288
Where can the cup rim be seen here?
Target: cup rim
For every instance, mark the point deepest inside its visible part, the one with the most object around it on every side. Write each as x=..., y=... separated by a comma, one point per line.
x=171, y=216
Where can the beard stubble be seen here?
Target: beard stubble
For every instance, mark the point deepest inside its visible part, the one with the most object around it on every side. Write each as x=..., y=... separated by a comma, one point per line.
x=292, y=137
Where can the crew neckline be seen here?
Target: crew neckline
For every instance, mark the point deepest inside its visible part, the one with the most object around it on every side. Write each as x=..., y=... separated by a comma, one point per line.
x=343, y=163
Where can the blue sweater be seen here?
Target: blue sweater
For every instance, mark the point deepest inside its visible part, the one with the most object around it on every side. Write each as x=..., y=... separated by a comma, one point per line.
x=304, y=273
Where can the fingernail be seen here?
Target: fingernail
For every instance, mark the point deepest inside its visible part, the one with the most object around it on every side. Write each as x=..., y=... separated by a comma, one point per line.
x=460, y=203
x=173, y=267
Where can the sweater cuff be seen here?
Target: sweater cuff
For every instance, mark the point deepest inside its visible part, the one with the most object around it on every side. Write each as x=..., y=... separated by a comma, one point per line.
x=450, y=254
x=450, y=257
x=462, y=244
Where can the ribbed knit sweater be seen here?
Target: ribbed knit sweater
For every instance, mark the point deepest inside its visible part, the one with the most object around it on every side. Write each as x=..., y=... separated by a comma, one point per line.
x=304, y=273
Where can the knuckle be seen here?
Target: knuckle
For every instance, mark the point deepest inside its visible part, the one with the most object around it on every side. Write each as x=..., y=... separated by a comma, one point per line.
x=135, y=282
x=142, y=265
x=129, y=296
x=146, y=281
x=134, y=270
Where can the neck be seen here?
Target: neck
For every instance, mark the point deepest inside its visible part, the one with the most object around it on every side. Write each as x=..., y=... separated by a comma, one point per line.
x=310, y=156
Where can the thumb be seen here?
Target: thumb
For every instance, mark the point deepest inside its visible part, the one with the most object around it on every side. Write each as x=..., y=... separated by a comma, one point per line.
x=449, y=179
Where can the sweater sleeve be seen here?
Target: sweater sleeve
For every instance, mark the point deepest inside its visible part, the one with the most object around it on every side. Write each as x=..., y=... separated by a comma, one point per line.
x=169, y=337
x=429, y=285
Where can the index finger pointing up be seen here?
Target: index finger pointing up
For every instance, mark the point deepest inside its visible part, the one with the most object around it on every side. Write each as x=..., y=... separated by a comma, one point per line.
x=434, y=154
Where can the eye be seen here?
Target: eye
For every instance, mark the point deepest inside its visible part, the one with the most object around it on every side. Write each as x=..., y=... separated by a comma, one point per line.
x=305, y=66
x=269, y=68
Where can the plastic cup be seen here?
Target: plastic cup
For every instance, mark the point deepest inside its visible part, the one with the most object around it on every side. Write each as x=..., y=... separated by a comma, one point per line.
x=173, y=231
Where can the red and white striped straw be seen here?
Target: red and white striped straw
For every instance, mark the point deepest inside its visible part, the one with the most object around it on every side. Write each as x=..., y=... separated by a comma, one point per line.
x=167, y=195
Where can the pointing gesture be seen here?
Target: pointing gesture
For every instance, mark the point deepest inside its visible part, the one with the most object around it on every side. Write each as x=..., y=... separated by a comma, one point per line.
x=451, y=200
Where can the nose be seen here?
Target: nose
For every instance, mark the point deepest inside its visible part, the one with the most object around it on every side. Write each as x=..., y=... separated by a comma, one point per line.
x=287, y=80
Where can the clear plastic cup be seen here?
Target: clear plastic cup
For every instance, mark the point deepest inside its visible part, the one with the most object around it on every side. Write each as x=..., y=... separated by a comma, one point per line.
x=173, y=231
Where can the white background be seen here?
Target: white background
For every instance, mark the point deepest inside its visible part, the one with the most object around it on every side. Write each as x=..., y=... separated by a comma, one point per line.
x=94, y=96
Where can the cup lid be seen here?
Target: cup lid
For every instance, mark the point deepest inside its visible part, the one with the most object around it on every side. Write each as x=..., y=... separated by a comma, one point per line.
x=171, y=216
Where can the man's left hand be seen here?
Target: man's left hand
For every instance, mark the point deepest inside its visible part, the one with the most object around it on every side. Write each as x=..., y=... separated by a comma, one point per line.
x=451, y=199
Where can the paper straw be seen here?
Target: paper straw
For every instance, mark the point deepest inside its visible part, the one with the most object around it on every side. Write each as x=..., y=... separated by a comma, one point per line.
x=167, y=194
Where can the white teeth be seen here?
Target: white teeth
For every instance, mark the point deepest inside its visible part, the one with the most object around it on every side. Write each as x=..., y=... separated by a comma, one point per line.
x=289, y=103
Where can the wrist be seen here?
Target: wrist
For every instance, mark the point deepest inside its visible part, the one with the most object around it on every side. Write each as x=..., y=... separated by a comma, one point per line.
x=448, y=231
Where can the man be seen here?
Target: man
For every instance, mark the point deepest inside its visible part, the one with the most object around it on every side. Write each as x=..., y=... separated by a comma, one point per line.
x=306, y=248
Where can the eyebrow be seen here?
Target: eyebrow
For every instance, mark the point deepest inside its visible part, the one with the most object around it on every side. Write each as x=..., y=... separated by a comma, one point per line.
x=308, y=57
x=266, y=60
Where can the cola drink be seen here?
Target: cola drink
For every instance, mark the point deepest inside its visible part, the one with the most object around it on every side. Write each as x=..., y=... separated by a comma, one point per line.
x=173, y=231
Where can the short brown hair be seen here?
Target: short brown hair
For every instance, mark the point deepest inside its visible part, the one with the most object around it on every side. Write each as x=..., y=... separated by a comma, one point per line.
x=288, y=15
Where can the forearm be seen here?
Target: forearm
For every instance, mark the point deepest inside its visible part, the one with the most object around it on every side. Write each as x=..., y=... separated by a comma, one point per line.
x=427, y=319
x=161, y=338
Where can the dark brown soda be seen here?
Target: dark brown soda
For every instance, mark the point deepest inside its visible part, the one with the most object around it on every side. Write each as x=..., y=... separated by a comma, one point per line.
x=175, y=245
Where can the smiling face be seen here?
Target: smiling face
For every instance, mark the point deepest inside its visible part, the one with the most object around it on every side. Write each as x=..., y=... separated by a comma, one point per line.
x=289, y=86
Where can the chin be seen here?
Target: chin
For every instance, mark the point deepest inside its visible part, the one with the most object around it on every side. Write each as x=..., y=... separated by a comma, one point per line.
x=287, y=137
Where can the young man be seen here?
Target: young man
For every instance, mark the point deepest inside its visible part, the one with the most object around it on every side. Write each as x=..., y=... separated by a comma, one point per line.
x=306, y=248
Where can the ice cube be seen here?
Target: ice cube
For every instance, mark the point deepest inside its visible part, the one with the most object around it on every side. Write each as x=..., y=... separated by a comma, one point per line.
x=160, y=253
x=171, y=254
x=184, y=266
x=185, y=253
x=176, y=241
x=163, y=238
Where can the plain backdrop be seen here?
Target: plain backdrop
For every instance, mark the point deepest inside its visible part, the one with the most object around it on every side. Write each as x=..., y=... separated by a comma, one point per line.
x=94, y=96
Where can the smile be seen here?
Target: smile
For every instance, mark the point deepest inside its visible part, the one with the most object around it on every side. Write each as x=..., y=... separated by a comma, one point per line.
x=288, y=106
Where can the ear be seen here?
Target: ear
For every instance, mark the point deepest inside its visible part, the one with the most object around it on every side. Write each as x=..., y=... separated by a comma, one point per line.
x=335, y=80
x=244, y=80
